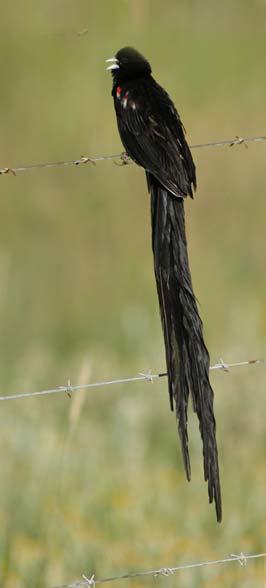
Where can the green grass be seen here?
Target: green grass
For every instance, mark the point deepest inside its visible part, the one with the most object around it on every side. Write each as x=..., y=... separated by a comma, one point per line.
x=95, y=483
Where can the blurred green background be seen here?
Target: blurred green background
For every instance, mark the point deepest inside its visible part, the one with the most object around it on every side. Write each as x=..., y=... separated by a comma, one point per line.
x=95, y=483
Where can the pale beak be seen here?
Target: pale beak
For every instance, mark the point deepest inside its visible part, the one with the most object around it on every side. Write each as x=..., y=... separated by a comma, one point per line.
x=114, y=62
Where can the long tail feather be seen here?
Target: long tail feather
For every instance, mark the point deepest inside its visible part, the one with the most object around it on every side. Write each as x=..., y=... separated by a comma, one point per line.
x=187, y=357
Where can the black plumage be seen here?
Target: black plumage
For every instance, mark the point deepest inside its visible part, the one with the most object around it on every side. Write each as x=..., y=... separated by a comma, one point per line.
x=154, y=137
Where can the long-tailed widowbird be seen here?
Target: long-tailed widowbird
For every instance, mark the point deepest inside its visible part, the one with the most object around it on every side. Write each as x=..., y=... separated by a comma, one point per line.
x=153, y=136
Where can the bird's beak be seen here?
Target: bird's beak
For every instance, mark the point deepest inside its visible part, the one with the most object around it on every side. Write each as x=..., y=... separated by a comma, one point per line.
x=114, y=63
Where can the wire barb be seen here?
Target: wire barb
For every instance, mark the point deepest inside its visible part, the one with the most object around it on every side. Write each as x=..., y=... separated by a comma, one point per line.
x=68, y=388
x=89, y=581
x=123, y=157
x=242, y=559
x=238, y=141
x=142, y=377
x=149, y=377
x=85, y=159
x=224, y=365
x=164, y=572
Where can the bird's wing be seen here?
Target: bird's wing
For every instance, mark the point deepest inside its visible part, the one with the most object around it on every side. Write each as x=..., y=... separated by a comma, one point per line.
x=153, y=136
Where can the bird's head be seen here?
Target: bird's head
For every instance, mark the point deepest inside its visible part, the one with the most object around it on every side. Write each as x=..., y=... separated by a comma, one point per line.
x=128, y=64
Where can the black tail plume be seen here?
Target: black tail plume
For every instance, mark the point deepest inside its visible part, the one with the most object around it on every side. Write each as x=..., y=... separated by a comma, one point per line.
x=187, y=357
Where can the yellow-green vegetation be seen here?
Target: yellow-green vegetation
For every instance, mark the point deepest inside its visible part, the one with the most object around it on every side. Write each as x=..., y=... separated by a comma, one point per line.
x=95, y=483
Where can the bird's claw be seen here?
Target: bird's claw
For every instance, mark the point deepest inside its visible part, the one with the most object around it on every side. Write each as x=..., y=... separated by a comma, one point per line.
x=124, y=159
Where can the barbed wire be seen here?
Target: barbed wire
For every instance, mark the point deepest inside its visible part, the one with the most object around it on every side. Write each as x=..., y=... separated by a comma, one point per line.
x=141, y=377
x=124, y=159
x=91, y=581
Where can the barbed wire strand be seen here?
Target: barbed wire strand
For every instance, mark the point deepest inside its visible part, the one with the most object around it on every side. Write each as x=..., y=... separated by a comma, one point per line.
x=142, y=377
x=91, y=581
x=122, y=156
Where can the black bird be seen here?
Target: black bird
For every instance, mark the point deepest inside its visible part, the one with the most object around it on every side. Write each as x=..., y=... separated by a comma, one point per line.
x=154, y=137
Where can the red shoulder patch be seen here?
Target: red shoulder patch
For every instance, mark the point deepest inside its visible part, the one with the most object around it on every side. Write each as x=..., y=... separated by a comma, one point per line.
x=118, y=91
